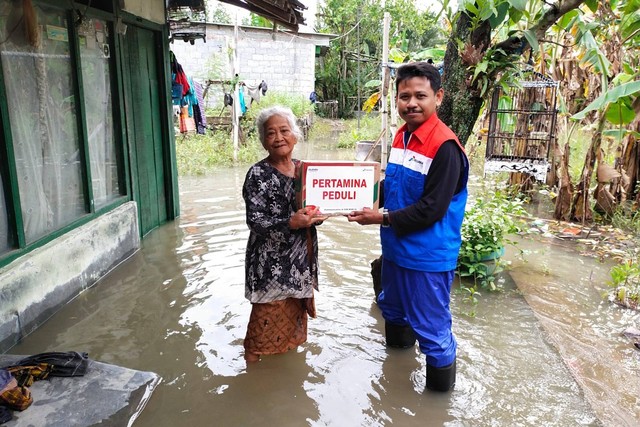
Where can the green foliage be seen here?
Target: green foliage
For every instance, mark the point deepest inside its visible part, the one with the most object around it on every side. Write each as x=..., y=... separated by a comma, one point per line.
x=217, y=13
x=493, y=216
x=626, y=219
x=470, y=295
x=618, y=100
x=257, y=21
x=579, y=140
x=347, y=62
x=321, y=129
x=299, y=104
x=369, y=131
x=216, y=67
x=199, y=154
x=625, y=281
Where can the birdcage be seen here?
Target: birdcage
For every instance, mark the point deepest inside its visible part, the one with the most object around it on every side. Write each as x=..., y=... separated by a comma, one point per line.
x=522, y=127
x=186, y=20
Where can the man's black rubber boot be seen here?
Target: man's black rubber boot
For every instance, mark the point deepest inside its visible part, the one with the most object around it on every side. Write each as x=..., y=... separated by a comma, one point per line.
x=441, y=379
x=399, y=336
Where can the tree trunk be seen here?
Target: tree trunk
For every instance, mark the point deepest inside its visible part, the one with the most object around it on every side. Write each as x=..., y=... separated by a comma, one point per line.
x=581, y=208
x=565, y=191
x=461, y=105
x=631, y=163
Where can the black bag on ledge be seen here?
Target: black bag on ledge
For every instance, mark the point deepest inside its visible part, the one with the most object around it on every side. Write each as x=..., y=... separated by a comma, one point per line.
x=64, y=364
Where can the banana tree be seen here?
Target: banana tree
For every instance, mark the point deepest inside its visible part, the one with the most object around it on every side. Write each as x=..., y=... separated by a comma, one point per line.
x=616, y=108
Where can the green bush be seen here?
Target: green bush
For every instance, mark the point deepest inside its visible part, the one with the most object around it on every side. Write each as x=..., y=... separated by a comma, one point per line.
x=487, y=224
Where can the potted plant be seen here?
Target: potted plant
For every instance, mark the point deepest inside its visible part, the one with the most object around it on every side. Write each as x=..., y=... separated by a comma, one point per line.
x=489, y=220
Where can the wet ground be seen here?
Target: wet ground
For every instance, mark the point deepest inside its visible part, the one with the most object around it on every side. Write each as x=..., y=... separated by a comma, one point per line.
x=546, y=351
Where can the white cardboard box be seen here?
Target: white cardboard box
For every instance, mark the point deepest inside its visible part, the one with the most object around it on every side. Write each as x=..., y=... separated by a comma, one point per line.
x=338, y=187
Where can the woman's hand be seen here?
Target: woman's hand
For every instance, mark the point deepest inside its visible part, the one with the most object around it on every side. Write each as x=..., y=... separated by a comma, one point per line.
x=306, y=217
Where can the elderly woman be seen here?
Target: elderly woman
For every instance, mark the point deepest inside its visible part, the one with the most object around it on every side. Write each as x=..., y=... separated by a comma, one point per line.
x=281, y=266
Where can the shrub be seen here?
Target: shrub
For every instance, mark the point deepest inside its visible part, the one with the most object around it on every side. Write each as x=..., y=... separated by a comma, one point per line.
x=625, y=281
x=491, y=218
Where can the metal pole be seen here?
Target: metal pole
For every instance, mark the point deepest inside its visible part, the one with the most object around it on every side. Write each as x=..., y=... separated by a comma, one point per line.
x=385, y=89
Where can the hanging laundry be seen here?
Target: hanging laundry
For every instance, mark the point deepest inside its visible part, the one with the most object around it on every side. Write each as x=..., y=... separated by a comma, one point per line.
x=228, y=99
x=201, y=119
x=190, y=98
x=178, y=76
x=254, y=93
x=243, y=106
x=263, y=87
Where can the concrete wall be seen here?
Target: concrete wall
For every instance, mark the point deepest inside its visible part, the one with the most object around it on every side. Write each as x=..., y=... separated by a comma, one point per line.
x=36, y=285
x=286, y=61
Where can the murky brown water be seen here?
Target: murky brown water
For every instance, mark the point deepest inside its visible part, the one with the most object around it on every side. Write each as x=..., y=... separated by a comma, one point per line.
x=176, y=307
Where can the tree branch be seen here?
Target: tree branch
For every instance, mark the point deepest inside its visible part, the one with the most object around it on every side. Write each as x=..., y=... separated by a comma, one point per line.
x=553, y=14
x=515, y=44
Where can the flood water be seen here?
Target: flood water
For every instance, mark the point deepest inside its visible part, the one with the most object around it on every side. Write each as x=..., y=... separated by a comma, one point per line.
x=546, y=351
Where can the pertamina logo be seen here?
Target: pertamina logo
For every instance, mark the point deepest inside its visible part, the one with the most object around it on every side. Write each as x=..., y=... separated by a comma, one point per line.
x=413, y=159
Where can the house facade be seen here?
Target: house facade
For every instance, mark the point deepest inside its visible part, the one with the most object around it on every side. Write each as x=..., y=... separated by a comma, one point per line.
x=284, y=60
x=87, y=159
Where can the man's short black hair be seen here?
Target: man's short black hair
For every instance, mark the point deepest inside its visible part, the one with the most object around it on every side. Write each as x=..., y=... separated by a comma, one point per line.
x=419, y=69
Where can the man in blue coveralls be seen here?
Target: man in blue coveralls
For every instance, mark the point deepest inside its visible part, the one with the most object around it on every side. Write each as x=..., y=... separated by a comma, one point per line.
x=424, y=194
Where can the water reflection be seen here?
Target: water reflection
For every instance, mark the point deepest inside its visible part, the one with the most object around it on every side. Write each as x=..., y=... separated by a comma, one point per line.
x=177, y=308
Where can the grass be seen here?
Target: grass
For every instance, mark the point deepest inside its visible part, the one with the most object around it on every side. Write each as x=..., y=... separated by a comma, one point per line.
x=626, y=219
x=200, y=154
x=298, y=104
x=321, y=129
x=370, y=127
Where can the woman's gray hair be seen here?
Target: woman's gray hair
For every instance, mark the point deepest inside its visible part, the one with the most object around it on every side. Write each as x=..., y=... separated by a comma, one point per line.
x=278, y=110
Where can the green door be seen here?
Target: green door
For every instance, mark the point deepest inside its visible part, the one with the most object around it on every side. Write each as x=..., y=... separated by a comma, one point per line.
x=144, y=127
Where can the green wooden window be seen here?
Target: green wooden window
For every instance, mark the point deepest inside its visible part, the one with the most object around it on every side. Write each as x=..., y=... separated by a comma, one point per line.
x=41, y=102
x=58, y=140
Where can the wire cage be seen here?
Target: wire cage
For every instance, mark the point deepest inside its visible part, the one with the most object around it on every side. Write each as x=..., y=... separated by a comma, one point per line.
x=522, y=127
x=187, y=24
